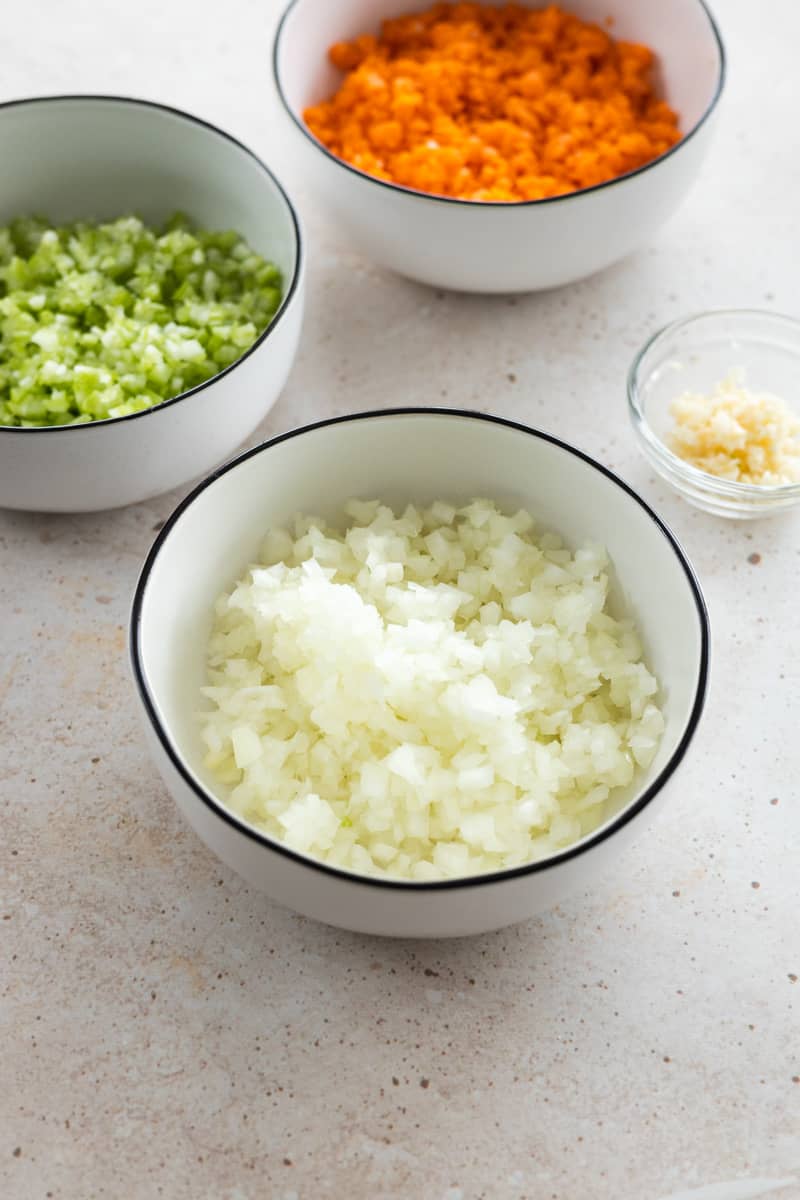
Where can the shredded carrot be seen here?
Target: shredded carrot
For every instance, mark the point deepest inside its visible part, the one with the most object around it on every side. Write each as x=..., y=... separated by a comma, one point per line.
x=494, y=104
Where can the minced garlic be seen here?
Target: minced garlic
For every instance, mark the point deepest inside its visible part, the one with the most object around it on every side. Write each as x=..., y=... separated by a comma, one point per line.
x=736, y=434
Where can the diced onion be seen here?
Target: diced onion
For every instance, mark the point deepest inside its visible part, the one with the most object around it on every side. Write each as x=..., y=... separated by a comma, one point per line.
x=425, y=696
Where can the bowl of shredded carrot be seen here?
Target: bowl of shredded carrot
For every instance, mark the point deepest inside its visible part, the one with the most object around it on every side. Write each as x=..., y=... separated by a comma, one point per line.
x=497, y=147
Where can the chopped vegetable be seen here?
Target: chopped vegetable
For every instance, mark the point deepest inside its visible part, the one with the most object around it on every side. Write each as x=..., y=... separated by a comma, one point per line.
x=733, y=433
x=432, y=695
x=102, y=321
x=494, y=103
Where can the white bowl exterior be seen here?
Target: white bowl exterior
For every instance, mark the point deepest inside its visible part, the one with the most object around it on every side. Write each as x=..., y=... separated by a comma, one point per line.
x=355, y=904
x=99, y=158
x=400, y=457
x=508, y=248
x=481, y=248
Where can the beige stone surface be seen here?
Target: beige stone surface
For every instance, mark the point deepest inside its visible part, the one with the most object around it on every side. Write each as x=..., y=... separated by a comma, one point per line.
x=169, y=1033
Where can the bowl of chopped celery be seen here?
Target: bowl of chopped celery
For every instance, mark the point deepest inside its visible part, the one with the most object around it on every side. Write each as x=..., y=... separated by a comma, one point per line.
x=151, y=298
x=419, y=672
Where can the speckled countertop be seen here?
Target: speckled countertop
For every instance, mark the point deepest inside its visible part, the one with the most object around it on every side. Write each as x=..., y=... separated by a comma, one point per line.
x=168, y=1032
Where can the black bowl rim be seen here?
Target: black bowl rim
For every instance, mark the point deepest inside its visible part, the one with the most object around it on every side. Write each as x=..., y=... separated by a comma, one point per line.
x=299, y=266
x=571, y=852
x=502, y=204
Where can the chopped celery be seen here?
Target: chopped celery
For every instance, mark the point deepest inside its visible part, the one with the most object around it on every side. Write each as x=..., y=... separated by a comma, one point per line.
x=103, y=320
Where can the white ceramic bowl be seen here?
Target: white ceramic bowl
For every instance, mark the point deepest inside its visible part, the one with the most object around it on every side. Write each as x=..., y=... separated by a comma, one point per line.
x=520, y=247
x=401, y=456
x=100, y=157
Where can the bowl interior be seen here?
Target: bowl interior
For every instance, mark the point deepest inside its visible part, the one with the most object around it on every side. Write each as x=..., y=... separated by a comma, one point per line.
x=99, y=158
x=697, y=354
x=405, y=457
x=682, y=34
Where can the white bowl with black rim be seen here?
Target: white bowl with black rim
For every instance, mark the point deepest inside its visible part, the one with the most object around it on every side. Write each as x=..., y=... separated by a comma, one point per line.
x=401, y=456
x=506, y=247
x=101, y=157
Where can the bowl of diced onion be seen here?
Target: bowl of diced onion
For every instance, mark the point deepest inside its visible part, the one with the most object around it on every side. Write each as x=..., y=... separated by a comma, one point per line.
x=713, y=401
x=151, y=297
x=418, y=672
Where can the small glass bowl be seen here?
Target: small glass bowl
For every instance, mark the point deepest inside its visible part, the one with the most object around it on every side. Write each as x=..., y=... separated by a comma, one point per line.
x=693, y=355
